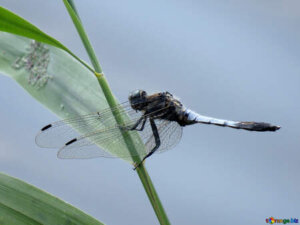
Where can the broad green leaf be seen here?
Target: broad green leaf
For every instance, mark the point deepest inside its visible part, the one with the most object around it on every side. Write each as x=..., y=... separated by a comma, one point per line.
x=12, y=23
x=59, y=82
x=40, y=78
x=22, y=203
x=50, y=75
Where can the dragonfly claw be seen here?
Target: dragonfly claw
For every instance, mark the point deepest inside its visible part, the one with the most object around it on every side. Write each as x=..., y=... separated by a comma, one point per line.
x=136, y=165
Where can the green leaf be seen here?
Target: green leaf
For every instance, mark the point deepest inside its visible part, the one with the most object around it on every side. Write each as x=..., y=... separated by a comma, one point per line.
x=56, y=79
x=59, y=82
x=12, y=23
x=22, y=203
x=51, y=76
x=51, y=88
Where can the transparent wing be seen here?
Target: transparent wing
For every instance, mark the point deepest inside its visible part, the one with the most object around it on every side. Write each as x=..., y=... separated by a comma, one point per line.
x=58, y=133
x=55, y=135
x=170, y=133
x=102, y=137
x=103, y=143
x=95, y=144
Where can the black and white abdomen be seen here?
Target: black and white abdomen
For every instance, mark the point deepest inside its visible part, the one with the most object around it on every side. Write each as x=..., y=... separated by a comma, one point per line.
x=191, y=117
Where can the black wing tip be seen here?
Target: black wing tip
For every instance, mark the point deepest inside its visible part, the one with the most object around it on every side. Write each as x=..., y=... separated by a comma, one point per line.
x=70, y=142
x=46, y=127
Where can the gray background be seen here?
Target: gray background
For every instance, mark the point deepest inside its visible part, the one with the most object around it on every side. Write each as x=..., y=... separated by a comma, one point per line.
x=229, y=59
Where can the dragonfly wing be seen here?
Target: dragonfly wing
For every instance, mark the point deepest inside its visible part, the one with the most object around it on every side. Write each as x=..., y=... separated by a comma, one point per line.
x=103, y=143
x=109, y=142
x=58, y=133
x=100, y=134
x=170, y=133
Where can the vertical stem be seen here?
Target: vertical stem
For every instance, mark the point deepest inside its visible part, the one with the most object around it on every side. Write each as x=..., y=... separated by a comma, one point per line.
x=141, y=170
x=84, y=38
x=152, y=195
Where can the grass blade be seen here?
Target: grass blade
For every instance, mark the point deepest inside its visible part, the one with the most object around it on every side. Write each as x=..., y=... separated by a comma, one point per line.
x=12, y=23
x=55, y=79
x=22, y=203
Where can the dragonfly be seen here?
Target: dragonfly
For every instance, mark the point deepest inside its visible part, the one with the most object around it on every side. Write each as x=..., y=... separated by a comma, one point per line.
x=156, y=120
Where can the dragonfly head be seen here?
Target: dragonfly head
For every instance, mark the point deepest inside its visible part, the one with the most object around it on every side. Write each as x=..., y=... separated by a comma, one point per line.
x=138, y=99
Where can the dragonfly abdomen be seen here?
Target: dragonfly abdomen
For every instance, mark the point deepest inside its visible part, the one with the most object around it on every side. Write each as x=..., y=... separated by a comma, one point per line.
x=193, y=117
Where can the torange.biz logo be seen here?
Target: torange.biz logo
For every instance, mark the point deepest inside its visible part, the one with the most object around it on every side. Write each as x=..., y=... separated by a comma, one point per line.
x=271, y=220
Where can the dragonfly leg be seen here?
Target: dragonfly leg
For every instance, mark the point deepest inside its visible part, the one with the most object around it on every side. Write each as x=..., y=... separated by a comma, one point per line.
x=134, y=126
x=143, y=125
x=157, y=142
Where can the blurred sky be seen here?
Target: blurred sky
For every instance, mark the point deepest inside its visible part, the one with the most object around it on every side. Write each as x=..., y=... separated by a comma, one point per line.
x=229, y=59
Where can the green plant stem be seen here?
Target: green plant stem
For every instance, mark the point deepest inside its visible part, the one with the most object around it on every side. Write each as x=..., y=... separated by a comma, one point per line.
x=84, y=38
x=152, y=195
x=141, y=170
